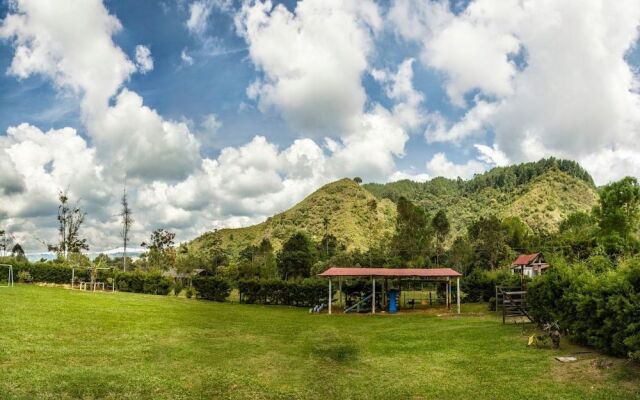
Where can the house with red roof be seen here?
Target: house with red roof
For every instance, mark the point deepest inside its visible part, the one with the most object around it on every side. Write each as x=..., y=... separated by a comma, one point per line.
x=529, y=265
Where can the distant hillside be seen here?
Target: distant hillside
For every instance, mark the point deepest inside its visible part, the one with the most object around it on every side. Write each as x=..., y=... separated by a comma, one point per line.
x=354, y=216
x=540, y=193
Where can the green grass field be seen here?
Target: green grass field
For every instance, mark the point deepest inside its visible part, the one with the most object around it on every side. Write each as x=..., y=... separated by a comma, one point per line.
x=61, y=344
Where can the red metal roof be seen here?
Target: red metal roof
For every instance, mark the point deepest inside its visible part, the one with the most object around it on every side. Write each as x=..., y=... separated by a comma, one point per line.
x=391, y=272
x=525, y=259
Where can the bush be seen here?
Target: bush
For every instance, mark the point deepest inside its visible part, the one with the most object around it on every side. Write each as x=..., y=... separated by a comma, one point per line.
x=211, y=288
x=596, y=309
x=303, y=293
x=24, y=276
x=177, y=288
x=143, y=282
x=481, y=285
x=189, y=293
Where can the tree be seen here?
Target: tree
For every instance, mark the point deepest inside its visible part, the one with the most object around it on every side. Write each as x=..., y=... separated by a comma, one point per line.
x=5, y=242
x=17, y=251
x=413, y=234
x=577, y=235
x=516, y=233
x=296, y=257
x=441, y=227
x=619, y=210
x=125, y=218
x=70, y=219
x=357, y=180
x=489, y=243
x=460, y=255
x=161, y=253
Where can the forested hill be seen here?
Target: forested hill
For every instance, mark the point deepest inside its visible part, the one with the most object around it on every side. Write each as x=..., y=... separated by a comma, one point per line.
x=540, y=193
x=343, y=209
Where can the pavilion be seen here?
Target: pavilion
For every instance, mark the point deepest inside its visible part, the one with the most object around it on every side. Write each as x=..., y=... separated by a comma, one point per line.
x=433, y=274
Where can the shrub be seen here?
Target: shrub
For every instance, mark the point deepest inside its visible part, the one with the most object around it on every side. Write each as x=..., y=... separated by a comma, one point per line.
x=24, y=276
x=596, y=309
x=302, y=293
x=177, y=288
x=189, y=293
x=211, y=288
x=481, y=285
x=143, y=282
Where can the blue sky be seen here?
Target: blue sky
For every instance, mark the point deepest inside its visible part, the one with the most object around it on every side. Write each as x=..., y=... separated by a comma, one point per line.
x=222, y=113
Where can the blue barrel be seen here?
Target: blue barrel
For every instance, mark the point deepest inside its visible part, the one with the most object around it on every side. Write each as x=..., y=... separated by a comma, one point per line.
x=393, y=301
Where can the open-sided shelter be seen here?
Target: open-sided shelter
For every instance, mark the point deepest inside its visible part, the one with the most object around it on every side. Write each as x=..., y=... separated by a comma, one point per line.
x=444, y=275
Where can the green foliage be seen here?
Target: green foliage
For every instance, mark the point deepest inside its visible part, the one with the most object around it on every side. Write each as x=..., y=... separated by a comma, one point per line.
x=413, y=234
x=25, y=277
x=541, y=194
x=177, y=288
x=143, y=282
x=618, y=214
x=598, y=309
x=481, y=285
x=303, y=293
x=489, y=240
x=296, y=257
x=211, y=288
x=342, y=209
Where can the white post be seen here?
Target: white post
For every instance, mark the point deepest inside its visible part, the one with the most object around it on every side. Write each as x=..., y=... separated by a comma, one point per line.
x=458, y=293
x=373, y=297
x=330, y=296
x=446, y=293
x=73, y=275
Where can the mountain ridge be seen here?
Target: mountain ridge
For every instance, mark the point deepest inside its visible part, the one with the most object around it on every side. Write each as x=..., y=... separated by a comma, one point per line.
x=541, y=194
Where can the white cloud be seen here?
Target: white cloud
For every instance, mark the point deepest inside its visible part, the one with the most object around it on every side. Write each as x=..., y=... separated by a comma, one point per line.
x=574, y=94
x=132, y=137
x=186, y=58
x=399, y=87
x=312, y=60
x=199, y=12
x=144, y=61
x=402, y=175
x=440, y=165
x=492, y=155
x=474, y=122
x=472, y=49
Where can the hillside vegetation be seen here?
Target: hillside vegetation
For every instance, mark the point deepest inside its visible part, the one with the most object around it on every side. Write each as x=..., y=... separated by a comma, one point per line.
x=343, y=209
x=541, y=194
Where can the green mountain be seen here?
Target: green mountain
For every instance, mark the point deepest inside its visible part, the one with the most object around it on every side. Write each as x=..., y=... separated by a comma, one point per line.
x=353, y=215
x=541, y=194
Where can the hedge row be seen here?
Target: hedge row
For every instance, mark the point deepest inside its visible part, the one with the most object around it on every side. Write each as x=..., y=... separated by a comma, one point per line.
x=143, y=282
x=49, y=272
x=211, y=288
x=305, y=293
x=596, y=309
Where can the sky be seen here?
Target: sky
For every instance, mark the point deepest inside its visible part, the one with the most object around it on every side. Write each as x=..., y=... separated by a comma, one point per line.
x=220, y=113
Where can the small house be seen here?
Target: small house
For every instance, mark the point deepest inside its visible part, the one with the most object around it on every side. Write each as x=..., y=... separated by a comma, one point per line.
x=529, y=265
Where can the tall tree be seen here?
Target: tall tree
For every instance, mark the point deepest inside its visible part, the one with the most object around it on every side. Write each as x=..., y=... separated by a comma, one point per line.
x=5, y=242
x=70, y=219
x=160, y=252
x=296, y=257
x=619, y=209
x=126, y=220
x=489, y=242
x=413, y=234
x=17, y=251
x=441, y=227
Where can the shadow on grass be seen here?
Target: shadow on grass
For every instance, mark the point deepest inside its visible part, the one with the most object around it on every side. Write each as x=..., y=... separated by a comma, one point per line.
x=331, y=346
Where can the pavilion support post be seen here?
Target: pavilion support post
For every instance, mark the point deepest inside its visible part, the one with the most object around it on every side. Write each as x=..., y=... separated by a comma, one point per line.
x=458, y=293
x=330, y=296
x=340, y=290
x=373, y=296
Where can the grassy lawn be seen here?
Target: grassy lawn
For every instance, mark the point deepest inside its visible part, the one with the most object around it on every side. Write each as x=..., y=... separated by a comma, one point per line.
x=59, y=344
